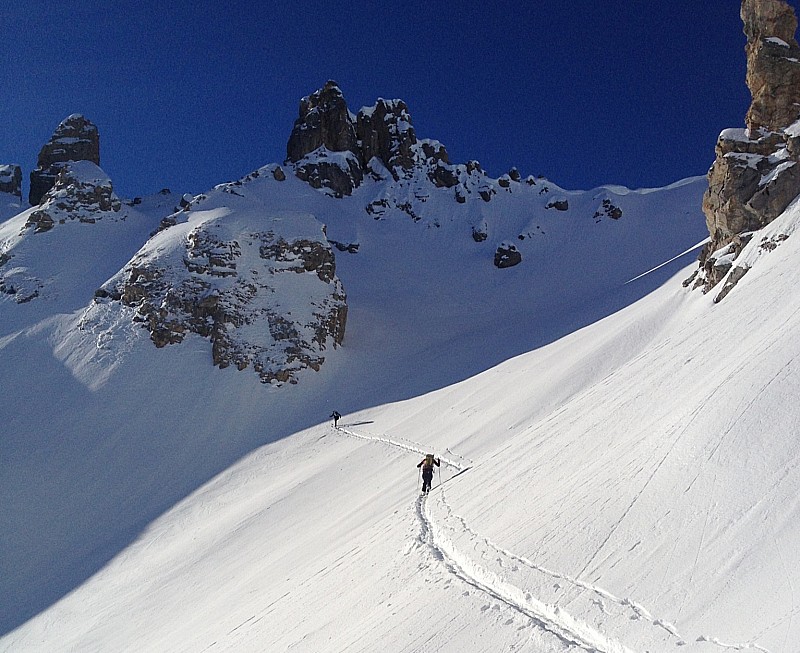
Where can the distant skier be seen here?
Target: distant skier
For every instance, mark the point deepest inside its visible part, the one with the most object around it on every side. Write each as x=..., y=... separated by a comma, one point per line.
x=427, y=464
x=335, y=416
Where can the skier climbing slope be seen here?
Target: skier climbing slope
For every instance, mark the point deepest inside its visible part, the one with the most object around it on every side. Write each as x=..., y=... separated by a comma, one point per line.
x=427, y=464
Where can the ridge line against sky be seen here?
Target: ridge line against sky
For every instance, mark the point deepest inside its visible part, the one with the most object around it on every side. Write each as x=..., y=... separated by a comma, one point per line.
x=189, y=95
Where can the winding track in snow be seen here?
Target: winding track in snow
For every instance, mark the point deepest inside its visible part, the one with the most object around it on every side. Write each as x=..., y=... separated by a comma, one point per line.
x=606, y=622
x=435, y=535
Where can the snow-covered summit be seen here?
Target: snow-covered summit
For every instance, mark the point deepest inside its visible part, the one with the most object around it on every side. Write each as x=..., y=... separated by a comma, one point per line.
x=59, y=252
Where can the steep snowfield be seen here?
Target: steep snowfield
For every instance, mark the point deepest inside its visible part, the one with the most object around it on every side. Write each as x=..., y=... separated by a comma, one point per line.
x=622, y=456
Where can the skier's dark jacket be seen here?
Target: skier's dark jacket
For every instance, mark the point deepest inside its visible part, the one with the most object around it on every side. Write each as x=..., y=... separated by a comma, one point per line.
x=427, y=464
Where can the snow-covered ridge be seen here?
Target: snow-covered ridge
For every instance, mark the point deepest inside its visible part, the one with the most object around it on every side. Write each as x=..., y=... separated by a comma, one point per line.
x=261, y=286
x=33, y=266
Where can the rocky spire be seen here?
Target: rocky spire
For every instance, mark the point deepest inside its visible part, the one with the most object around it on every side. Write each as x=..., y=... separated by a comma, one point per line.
x=756, y=173
x=323, y=146
x=324, y=120
x=75, y=139
x=331, y=148
x=385, y=131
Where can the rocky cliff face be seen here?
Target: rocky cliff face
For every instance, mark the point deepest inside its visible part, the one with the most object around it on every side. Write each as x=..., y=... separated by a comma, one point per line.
x=81, y=191
x=331, y=148
x=75, y=139
x=386, y=133
x=261, y=288
x=11, y=180
x=324, y=121
x=248, y=266
x=323, y=144
x=773, y=73
x=756, y=173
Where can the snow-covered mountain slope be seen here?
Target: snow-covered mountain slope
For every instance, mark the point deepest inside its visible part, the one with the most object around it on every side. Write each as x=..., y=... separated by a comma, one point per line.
x=54, y=256
x=262, y=288
x=610, y=446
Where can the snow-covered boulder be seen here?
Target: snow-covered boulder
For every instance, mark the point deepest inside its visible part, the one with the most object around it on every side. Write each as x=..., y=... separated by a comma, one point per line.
x=507, y=256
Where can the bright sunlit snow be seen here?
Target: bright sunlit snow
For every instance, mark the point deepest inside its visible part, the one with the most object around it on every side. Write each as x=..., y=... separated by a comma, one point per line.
x=619, y=454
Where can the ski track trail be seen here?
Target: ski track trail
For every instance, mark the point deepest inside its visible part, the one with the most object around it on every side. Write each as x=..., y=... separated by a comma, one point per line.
x=607, y=623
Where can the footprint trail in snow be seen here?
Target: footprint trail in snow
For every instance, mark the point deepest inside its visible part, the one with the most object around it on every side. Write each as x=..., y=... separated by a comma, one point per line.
x=597, y=620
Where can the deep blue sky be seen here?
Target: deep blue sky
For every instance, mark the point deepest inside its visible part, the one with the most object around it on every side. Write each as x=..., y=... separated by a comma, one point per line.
x=190, y=94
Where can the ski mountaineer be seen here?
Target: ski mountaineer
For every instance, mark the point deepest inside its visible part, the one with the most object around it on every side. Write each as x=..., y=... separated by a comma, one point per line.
x=427, y=464
x=335, y=416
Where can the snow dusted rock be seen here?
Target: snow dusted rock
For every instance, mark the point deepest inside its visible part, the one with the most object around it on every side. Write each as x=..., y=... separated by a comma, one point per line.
x=262, y=289
x=324, y=120
x=507, y=256
x=61, y=250
x=75, y=139
x=756, y=173
x=330, y=148
x=338, y=171
x=11, y=180
x=323, y=144
x=558, y=203
x=82, y=192
x=385, y=131
x=607, y=210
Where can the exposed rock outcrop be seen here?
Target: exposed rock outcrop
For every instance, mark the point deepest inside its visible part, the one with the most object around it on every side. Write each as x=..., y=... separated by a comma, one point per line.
x=11, y=180
x=81, y=191
x=773, y=64
x=607, y=210
x=385, y=131
x=756, y=173
x=266, y=295
x=558, y=203
x=75, y=139
x=338, y=171
x=323, y=145
x=324, y=121
x=331, y=148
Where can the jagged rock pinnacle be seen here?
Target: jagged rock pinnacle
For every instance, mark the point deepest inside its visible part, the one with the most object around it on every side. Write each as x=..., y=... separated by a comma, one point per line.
x=75, y=139
x=331, y=148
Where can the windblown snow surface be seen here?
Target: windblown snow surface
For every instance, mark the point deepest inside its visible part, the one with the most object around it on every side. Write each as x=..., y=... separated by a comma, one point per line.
x=619, y=460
